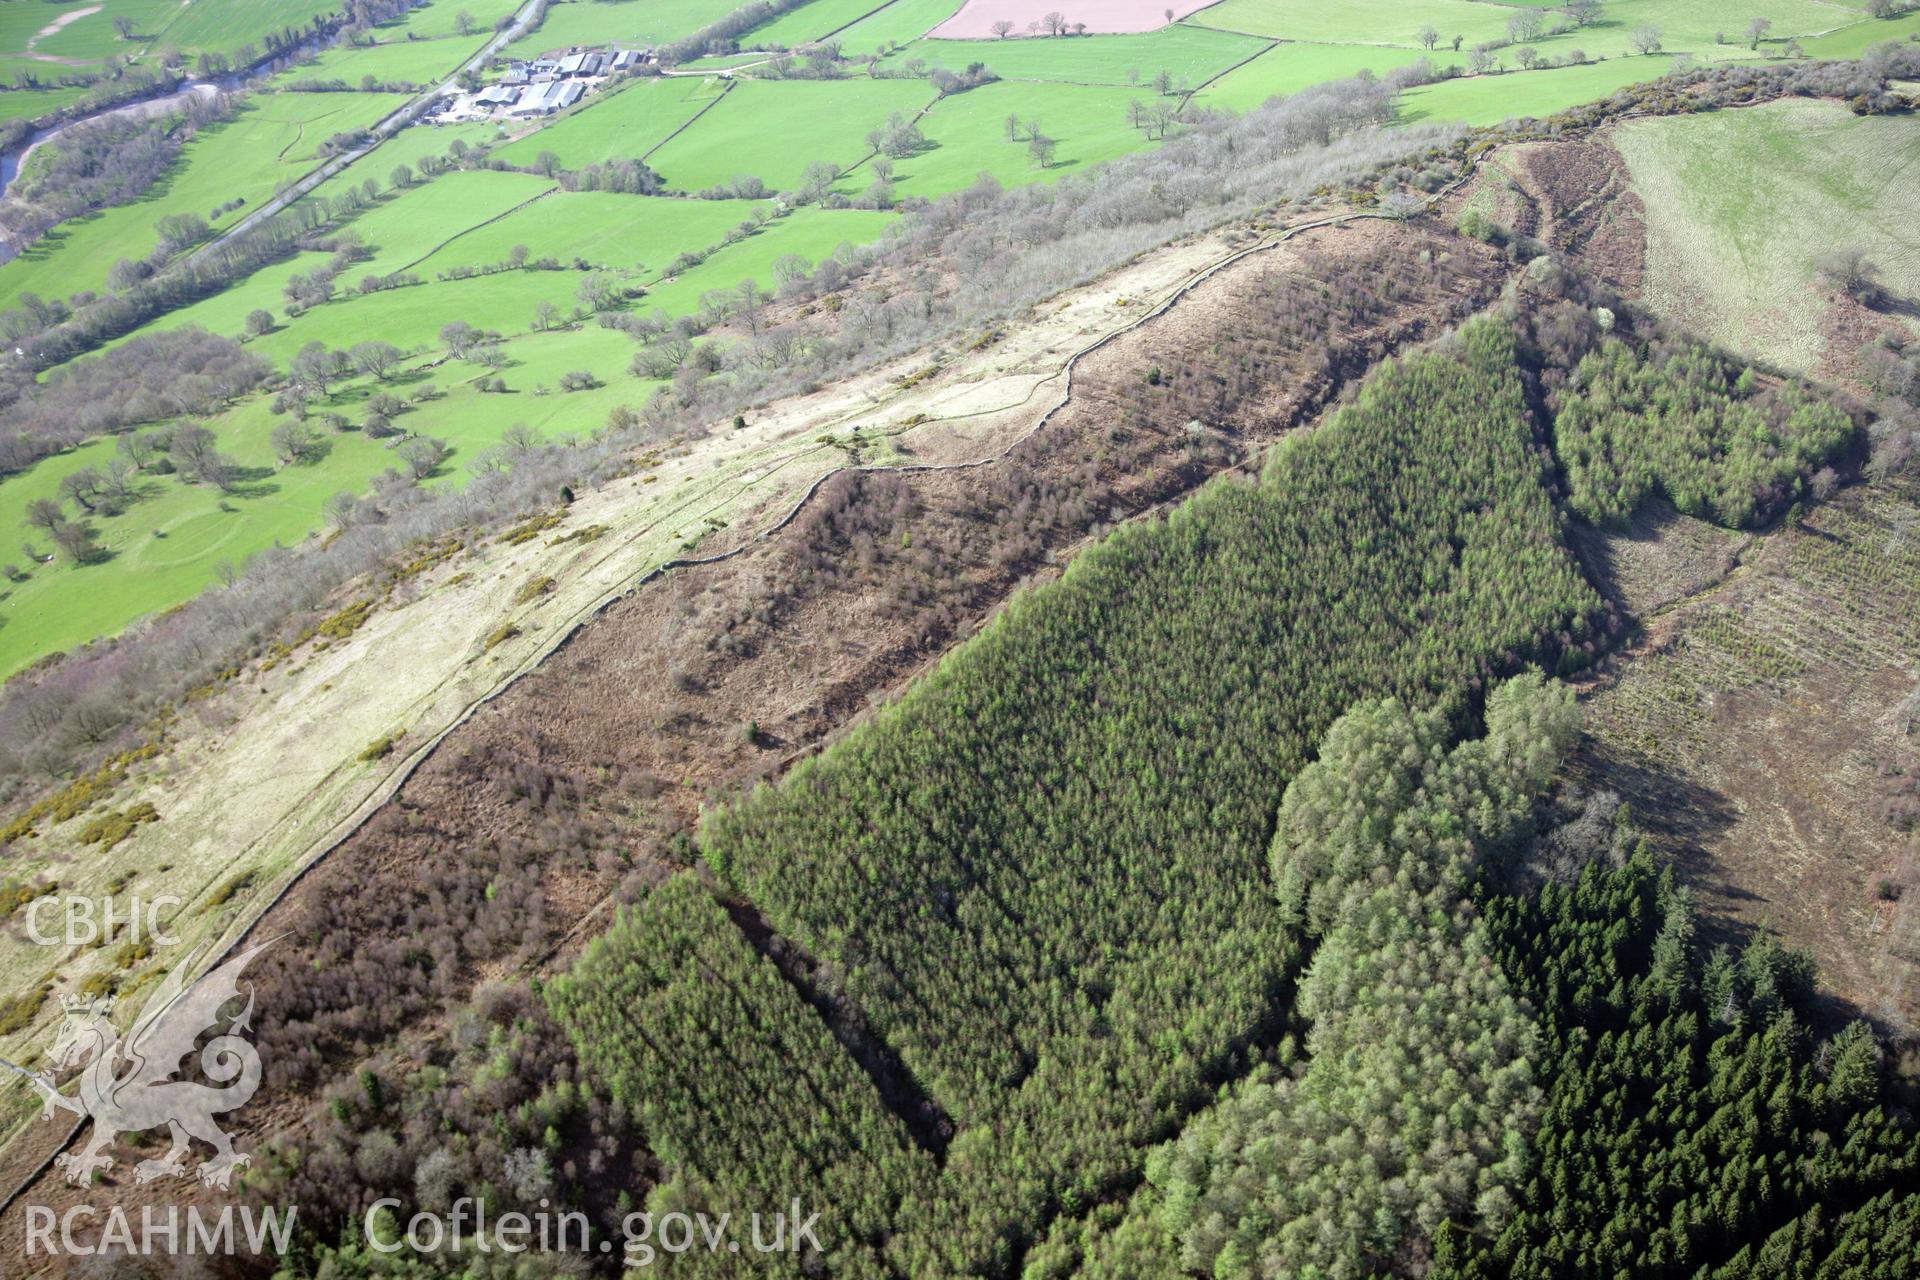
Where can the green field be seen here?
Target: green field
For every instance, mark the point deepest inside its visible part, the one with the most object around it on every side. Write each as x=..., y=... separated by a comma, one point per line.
x=623, y=125
x=1686, y=26
x=1289, y=68
x=420, y=62
x=407, y=227
x=1739, y=204
x=165, y=547
x=30, y=104
x=810, y=22
x=607, y=230
x=969, y=136
x=643, y=22
x=441, y=18
x=774, y=129
x=1358, y=21
x=1191, y=55
x=273, y=140
x=899, y=22
x=1491, y=99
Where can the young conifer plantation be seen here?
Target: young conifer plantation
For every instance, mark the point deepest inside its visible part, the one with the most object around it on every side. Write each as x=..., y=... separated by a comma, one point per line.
x=1334, y=1045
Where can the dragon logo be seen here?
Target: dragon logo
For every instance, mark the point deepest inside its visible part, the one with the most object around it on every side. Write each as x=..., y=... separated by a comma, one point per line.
x=126, y=1086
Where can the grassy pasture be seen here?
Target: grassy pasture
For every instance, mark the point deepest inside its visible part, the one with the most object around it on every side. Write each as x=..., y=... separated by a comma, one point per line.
x=1358, y=21
x=813, y=234
x=28, y=104
x=409, y=226
x=650, y=22
x=228, y=24
x=606, y=229
x=441, y=18
x=899, y=22
x=421, y=62
x=1491, y=99
x=1852, y=41
x=85, y=37
x=1191, y=54
x=969, y=138
x=197, y=528
x=623, y=125
x=407, y=147
x=775, y=129
x=1289, y=68
x=810, y=22
x=1740, y=204
x=272, y=140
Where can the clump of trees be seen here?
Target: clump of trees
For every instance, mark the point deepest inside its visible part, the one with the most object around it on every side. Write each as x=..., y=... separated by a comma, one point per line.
x=1416, y=1102
x=151, y=378
x=1681, y=420
x=1698, y=1125
x=102, y=163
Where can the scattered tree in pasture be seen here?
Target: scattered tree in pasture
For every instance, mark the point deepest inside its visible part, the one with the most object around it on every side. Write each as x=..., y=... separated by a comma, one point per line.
x=817, y=180
x=1757, y=31
x=83, y=488
x=259, y=322
x=1583, y=12
x=1644, y=39
x=1852, y=272
x=1040, y=150
x=80, y=541
x=377, y=359
x=1429, y=36
x=1527, y=56
x=123, y=26
x=317, y=367
x=294, y=442
x=1054, y=23
x=1002, y=29
x=45, y=515
x=1526, y=24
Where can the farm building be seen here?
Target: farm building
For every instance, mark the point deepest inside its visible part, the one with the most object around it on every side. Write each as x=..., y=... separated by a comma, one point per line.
x=545, y=99
x=499, y=95
x=582, y=64
x=627, y=59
